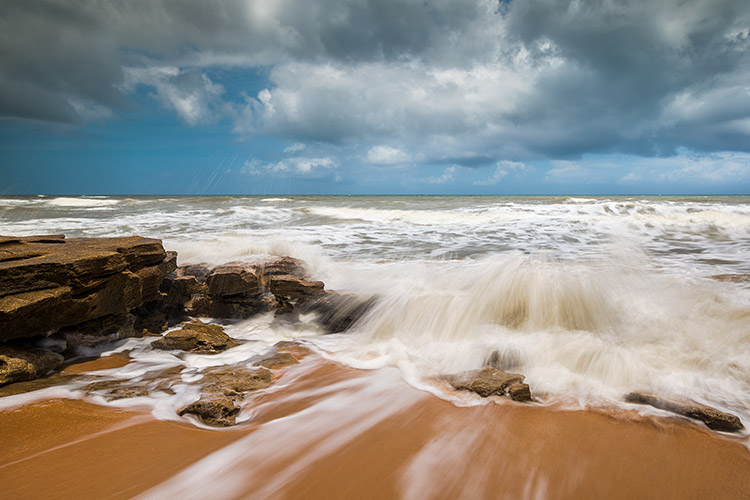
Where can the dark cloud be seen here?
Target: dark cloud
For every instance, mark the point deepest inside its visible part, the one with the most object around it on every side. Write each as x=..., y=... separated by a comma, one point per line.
x=443, y=79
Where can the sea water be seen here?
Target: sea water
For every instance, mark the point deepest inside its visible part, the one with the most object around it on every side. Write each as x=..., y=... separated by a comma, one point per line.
x=589, y=298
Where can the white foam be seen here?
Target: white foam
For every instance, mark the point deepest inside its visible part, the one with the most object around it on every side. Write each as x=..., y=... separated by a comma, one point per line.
x=81, y=202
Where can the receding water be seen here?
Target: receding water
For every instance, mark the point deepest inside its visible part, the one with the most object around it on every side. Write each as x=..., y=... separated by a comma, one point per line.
x=588, y=297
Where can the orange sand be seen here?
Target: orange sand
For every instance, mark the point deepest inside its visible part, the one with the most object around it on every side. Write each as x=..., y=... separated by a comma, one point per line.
x=70, y=449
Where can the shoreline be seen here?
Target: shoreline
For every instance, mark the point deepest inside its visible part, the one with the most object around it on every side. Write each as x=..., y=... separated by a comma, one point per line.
x=412, y=445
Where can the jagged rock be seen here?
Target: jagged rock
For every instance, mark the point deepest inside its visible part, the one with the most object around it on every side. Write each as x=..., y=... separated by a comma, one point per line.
x=17, y=365
x=713, y=418
x=234, y=279
x=282, y=266
x=241, y=306
x=199, y=305
x=235, y=382
x=213, y=409
x=197, y=337
x=278, y=360
x=49, y=282
x=490, y=381
x=222, y=387
x=287, y=287
x=197, y=271
x=337, y=312
x=98, y=331
x=519, y=392
x=179, y=288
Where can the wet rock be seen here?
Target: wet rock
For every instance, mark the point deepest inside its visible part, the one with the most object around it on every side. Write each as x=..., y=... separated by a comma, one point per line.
x=234, y=279
x=51, y=380
x=18, y=365
x=197, y=337
x=150, y=320
x=287, y=287
x=337, y=312
x=113, y=390
x=713, y=418
x=241, y=306
x=490, y=381
x=96, y=332
x=291, y=347
x=178, y=289
x=213, y=409
x=519, y=392
x=235, y=381
x=49, y=282
x=282, y=266
x=733, y=278
x=278, y=360
x=221, y=389
x=199, y=305
x=198, y=271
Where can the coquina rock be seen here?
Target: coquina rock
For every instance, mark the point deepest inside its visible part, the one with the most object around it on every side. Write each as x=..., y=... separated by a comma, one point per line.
x=490, y=381
x=197, y=337
x=18, y=365
x=50, y=282
x=713, y=418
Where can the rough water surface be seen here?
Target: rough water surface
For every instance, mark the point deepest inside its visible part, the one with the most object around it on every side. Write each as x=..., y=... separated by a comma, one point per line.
x=590, y=298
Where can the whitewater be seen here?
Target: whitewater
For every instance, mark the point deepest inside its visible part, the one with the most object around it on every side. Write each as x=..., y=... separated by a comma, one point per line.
x=589, y=298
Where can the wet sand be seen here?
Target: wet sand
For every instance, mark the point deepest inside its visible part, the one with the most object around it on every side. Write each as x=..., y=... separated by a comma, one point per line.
x=302, y=442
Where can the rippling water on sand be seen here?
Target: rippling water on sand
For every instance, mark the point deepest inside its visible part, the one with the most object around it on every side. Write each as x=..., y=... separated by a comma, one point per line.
x=588, y=297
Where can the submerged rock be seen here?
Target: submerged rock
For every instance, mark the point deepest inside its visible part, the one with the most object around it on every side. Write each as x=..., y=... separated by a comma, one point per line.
x=18, y=365
x=197, y=337
x=278, y=360
x=235, y=381
x=713, y=418
x=490, y=381
x=338, y=312
x=213, y=409
x=113, y=390
x=732, y=278
x=221, y=389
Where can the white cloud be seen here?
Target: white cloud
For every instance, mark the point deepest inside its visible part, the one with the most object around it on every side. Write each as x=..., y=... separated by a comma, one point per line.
x=444, y=112
x=443, y=179
x=192, y=94
x=301, y=167
x=294, y=148
x=386, y=155
x=503, y=169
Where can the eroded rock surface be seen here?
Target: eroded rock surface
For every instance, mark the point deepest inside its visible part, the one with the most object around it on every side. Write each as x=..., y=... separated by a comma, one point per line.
x=221, y=389
x=490, y=381
x=242, y=289
x=197, y=337
x=713, y=418
x=18, y=365
x=50, y=282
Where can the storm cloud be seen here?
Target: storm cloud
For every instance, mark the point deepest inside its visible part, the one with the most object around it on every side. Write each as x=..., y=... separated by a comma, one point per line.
x=399, y=81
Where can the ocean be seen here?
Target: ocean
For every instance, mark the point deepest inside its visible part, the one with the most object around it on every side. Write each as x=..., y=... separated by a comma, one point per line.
x=589, y=298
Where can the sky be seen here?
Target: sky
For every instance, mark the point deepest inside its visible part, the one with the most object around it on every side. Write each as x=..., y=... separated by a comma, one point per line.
x=374, y=97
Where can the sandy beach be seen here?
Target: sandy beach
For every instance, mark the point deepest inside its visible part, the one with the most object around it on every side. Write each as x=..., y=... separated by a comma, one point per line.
x=427, y=448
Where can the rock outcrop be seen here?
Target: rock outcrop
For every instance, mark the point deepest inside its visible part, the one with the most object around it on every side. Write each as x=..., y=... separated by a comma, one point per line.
x=713, y=418
x=490, y=381
x=222, y=389
x=197, y=337
x=19, y=365
x=240, y=290
x=50, y=282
